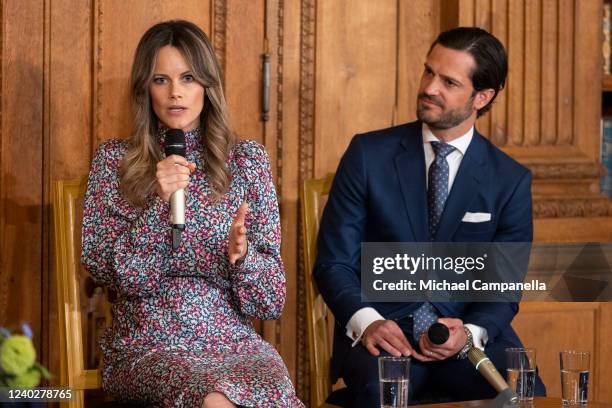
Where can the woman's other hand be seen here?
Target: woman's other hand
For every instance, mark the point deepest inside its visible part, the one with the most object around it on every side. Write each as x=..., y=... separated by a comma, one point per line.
x=237, y=237
x=172, y=174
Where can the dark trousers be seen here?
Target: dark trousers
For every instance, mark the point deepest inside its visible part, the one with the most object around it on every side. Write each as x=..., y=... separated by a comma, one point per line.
x=449, y=380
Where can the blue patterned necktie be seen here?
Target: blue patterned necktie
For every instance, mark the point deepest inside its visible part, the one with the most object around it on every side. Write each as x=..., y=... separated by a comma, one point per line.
x=437, y=192
x=437, y=189
x=422, y=318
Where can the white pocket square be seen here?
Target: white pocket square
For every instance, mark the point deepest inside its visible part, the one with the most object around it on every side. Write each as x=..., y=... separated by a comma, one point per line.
x=476, y=217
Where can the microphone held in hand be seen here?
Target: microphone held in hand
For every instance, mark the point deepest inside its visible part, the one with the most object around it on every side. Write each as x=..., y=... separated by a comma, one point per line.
x=175, y=144
x=438, y=333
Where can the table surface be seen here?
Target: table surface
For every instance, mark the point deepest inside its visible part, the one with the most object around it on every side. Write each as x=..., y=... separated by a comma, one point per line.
x=539, y=402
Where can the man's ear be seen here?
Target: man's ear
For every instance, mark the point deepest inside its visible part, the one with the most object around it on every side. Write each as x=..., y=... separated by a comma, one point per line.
x=483, y=97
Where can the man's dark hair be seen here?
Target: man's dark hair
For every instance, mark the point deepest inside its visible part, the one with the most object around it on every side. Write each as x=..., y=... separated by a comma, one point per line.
x=488, y=53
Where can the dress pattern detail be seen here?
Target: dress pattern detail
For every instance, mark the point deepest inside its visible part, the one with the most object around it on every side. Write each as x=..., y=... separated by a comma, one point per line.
x=182, y=319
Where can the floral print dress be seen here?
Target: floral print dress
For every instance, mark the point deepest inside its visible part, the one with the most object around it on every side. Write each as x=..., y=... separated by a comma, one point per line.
x=181, y=321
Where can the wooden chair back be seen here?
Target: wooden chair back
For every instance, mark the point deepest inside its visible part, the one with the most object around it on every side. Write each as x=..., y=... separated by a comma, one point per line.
x=320, y=321
x=73, y=285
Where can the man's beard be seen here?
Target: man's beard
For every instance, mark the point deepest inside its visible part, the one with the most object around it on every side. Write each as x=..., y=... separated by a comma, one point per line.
x=447, y=118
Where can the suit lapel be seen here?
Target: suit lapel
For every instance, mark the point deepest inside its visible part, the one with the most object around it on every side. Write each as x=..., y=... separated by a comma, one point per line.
x=465, y=188
x=410, y=166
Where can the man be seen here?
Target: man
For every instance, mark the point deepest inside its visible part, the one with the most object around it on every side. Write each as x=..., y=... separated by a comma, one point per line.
x=415, y=183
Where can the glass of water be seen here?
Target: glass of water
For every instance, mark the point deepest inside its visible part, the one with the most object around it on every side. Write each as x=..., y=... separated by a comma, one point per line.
x=394, y=375
x=522, y=372
x=574, y=376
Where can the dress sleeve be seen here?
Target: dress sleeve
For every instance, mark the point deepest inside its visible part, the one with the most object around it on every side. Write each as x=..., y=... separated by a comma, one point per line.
x=259, y=281
x=123, y=247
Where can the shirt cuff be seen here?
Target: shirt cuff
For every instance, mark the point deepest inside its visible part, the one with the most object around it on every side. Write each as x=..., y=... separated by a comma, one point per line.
x=360, y=321
x=479, y=335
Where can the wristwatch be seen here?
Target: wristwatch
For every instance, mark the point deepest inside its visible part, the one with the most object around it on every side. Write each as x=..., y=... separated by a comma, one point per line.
x=463, y=353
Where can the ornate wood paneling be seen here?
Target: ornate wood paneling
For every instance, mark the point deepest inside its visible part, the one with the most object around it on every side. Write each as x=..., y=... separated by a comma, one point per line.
x=285, y=19
x=283, y=156
x=540, y=94
x=548, y=116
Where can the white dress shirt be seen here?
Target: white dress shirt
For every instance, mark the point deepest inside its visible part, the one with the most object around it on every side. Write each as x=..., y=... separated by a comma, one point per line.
x=362, y=318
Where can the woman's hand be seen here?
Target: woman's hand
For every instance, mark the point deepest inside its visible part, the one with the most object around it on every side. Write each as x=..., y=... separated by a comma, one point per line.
x=237, y=237
x=172, y=174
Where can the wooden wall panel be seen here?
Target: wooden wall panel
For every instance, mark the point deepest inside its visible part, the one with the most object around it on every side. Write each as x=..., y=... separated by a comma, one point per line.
x=587, y=71
x=552, y=327
x=604, y=370
x=465, y=13
x=21, y=165
x=514, y=88
x=355, y=71
x=483, y=17
x=550, y=35
x=70, y=89
x=418, y=27
x=500, y=29
x=532, y=60
x=245, y=47
x=68, y=130
x=565, y=47
x=482, y=14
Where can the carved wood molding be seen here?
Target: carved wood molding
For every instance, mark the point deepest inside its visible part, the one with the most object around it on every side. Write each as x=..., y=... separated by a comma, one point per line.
x=219, y=35
x=96, y=98
x=566, y=170
x=572, y=207
x=307, y=87
x=596, y=206
x=279, y=120
x=306, y=162
x=279, y=96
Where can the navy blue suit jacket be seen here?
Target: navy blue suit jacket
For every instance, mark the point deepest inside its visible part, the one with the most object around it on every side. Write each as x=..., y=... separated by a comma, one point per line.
x=379, y=194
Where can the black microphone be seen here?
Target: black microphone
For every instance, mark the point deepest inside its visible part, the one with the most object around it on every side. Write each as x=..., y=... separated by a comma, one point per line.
x=175, y=144
x=438, y=334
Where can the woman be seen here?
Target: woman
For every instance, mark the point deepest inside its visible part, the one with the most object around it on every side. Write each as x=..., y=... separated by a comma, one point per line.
x=181, y=333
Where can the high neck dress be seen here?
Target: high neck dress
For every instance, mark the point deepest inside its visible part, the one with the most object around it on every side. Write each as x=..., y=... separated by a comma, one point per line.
x=182, y=319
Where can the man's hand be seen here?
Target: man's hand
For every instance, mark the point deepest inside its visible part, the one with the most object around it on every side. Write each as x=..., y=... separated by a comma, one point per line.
x=456, y=341
x=238, y=243
x=387, y=335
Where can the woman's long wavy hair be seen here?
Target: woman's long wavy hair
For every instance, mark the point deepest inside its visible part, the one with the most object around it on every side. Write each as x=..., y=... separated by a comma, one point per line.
x=138, y=167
